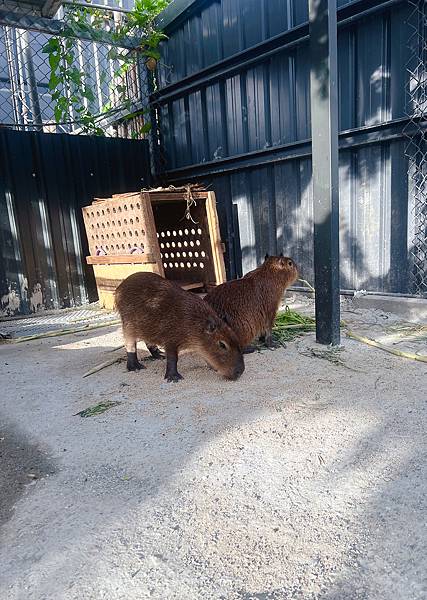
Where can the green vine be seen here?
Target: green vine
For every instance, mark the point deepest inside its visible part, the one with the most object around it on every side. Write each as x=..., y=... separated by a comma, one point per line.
x=69, y=84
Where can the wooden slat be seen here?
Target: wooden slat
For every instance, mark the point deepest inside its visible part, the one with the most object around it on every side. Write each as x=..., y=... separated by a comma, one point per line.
x=215, y=238
x=120, y=259
x=127, y=195
x=190, y=286
x=151, y=231
x=173, y=196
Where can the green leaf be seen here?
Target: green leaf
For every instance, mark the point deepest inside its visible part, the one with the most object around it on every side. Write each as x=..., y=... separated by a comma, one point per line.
x=51, y=46
x=88, y=94
x=146, y=128
x=152, y=54
x=53, y=82
x=58, y=114
x=54, y=60
x=69, y=58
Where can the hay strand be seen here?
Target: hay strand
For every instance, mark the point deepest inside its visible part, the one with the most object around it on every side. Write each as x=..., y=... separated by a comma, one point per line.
x=60, y=332
x=103, y=365
x=375, y=344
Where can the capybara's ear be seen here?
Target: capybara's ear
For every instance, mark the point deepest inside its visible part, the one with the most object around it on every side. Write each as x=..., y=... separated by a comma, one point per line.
x=265, y=257
x=281, y=255
x=211, y=325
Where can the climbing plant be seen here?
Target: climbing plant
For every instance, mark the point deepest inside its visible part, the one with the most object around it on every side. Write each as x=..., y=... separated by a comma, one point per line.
x=71, y=89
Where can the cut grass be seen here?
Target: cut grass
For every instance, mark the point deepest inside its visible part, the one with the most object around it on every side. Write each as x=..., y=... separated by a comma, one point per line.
x=97, y=409
x=290, y=324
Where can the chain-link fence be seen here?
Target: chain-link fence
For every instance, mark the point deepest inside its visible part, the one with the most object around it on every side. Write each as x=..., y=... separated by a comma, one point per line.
x=416, y=147
x=79, y=71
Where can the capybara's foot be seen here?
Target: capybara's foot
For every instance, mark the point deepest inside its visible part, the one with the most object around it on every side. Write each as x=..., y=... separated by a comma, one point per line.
x=249, y=350
x=273, y=345
x=269, y=342
x=133, y=363
x=173, y=377
x=155, y=353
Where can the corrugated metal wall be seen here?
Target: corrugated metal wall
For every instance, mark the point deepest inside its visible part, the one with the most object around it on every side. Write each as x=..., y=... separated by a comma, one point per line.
x=45, y=179
x=234, y=106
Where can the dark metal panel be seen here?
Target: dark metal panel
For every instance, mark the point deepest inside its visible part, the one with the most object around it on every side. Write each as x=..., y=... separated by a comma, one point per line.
x=259, y=183
x=352, y=138
x=373, y=68
x=198, y=126
x=282, y=99
x=13, y=286
x=248, y=121
x=257, y=108
x=211, y=41
x=399, y=58
x=236, y=115
x=23, y=185
x=215, y=121
x=299, y=12
x=232, y=37
x=45, y=179
x=241, y=196
x=347, y=91
x=51, y=152
x=302, y=93
x=182, y=145
x=373, y=216
x=278, y=16
x=252, y=16
x=294, y=210
x=193, y=47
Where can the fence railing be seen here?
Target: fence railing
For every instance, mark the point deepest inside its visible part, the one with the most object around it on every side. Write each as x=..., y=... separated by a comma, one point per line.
x=63, y=75
x=416, y=147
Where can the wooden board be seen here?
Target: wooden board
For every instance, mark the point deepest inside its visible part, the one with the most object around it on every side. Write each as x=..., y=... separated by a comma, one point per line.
x=108, y=277
x=120, y=259
x=173, y=196
x=215, y=237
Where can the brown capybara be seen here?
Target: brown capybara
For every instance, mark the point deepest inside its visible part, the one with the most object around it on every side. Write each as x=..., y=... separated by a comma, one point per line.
x=160, y=313
x=249, y=305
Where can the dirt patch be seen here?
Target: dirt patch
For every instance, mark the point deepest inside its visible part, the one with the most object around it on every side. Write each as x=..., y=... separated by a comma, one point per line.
x=305, y=479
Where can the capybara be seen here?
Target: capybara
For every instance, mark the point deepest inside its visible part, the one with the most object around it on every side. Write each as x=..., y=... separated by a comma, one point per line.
x=249, y=305
x=160, y=313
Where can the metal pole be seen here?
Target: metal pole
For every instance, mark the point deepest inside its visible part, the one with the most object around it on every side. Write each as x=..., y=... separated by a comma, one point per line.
x=324, y=127
x=31, y=81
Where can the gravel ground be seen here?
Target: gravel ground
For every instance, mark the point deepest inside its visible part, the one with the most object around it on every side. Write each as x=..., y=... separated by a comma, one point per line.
x=303, y=480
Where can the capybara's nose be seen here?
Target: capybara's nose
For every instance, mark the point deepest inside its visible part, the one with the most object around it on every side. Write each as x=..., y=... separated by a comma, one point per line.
x=238, y=371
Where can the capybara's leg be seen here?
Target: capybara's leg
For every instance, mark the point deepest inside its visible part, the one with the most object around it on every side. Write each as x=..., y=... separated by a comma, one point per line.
x=155, y=352
x=133, y=363
x=171, y=365
x=268, y=341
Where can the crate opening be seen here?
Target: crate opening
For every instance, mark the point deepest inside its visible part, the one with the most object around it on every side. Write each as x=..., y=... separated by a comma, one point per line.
x=185, y=245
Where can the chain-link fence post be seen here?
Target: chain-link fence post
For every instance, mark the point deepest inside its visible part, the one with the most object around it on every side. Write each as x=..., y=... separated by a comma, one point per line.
x=416, y=145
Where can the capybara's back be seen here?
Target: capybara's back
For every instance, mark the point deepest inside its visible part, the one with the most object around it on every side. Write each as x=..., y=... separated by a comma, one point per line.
x=249, y=305
x=160, y=313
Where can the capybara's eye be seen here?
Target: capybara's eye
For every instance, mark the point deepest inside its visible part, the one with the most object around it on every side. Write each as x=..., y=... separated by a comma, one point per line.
x=222, y=345
x=290, y=263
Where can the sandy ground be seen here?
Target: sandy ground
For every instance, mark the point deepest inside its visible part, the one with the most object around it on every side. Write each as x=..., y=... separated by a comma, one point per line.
x=302, y=480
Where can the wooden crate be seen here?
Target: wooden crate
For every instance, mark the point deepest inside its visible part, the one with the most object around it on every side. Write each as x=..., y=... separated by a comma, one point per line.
x=189, y=252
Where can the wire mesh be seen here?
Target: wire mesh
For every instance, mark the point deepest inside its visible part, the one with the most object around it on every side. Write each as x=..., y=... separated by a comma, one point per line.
x=59, y=76
x=416, y=146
